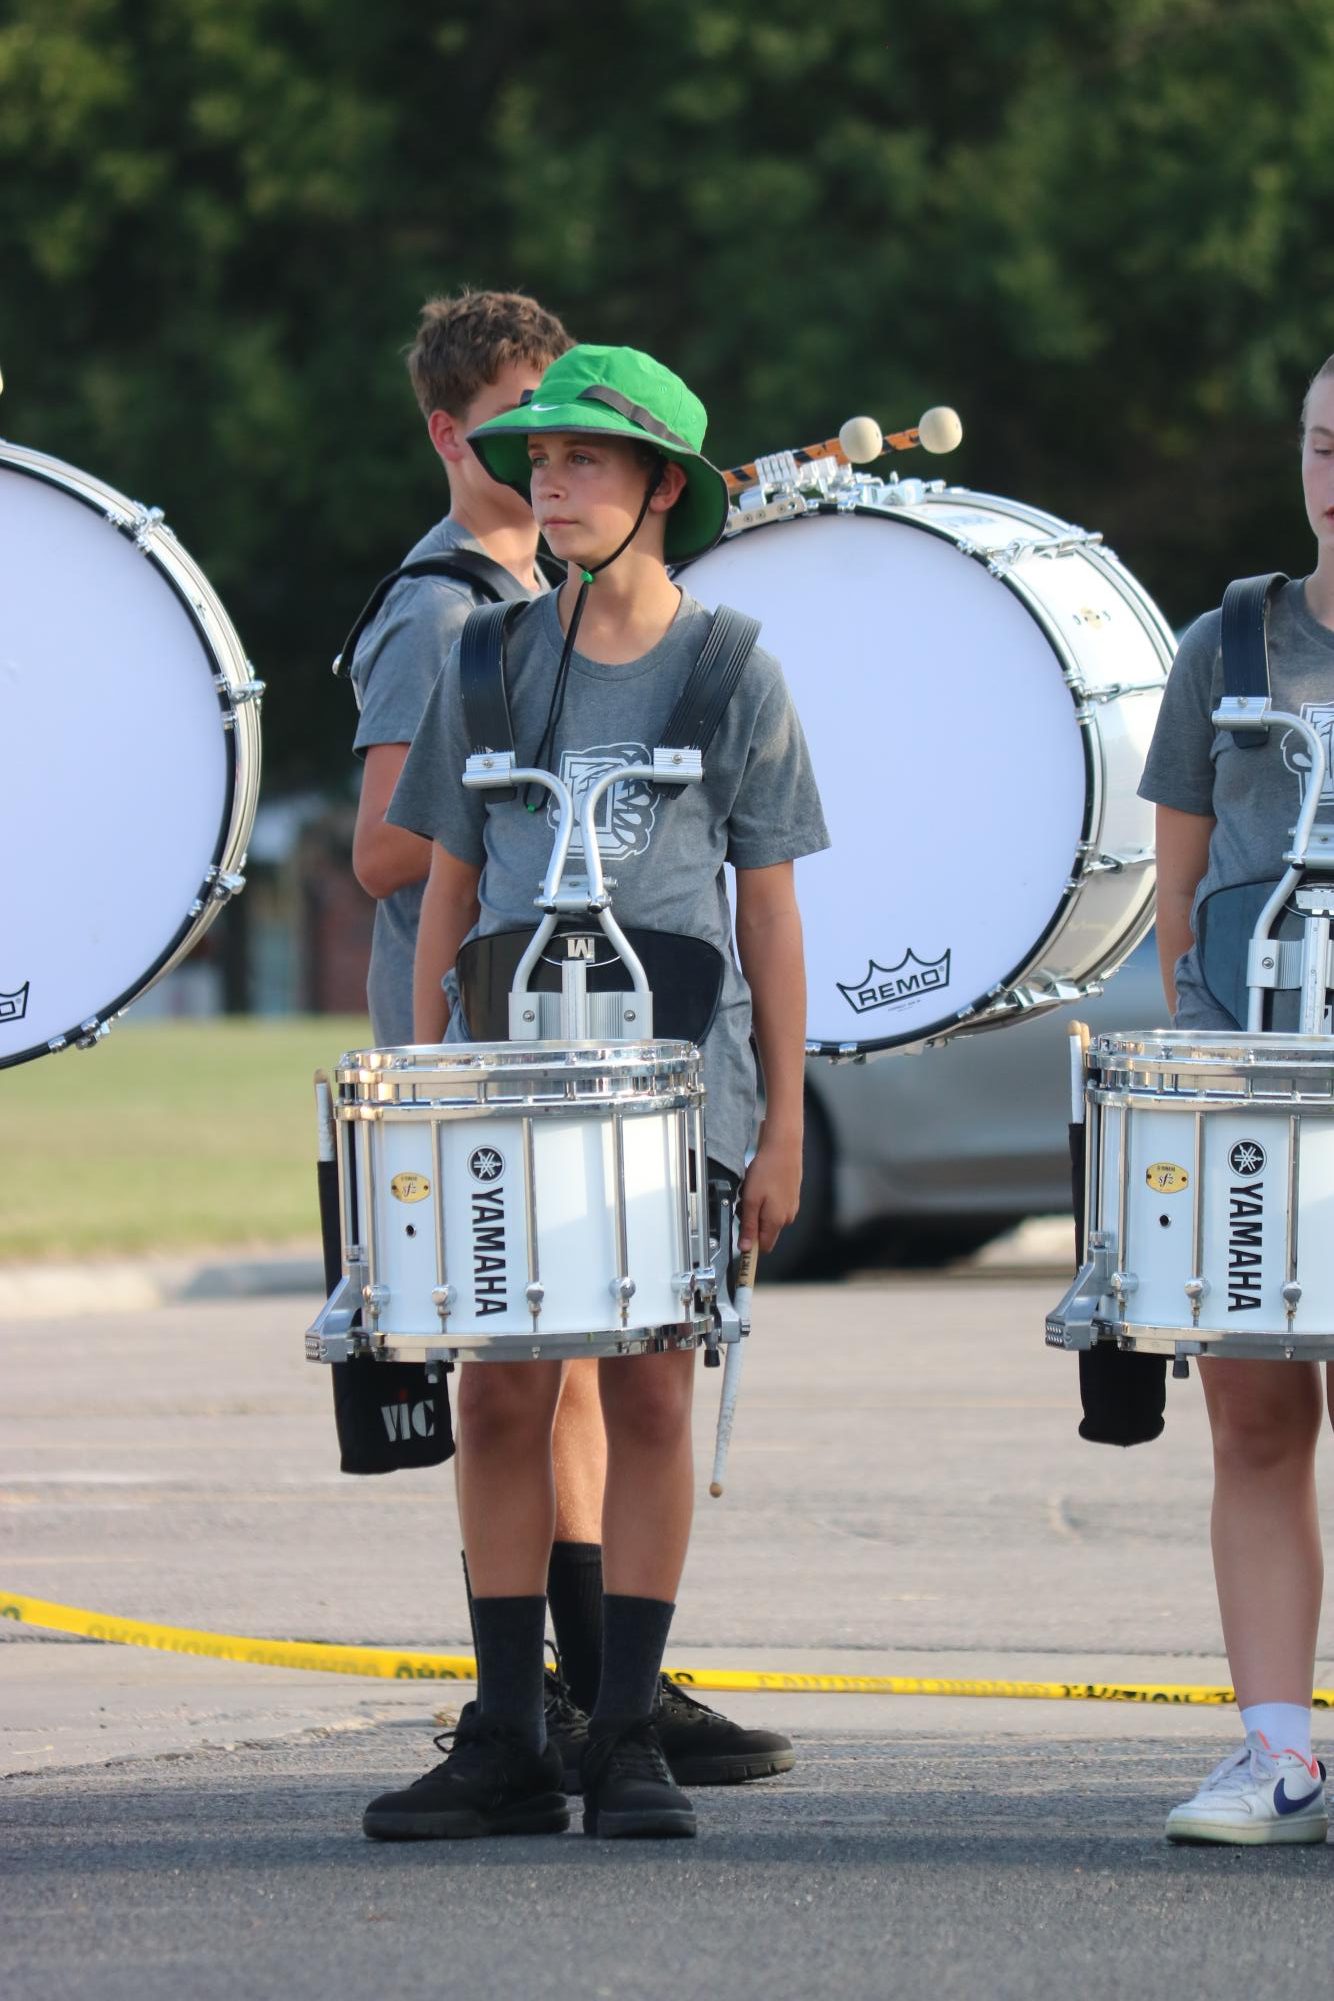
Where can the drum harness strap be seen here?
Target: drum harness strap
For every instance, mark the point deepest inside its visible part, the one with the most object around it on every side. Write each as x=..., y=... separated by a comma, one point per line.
x=464, y=566
x=1245, y=642
x=689, y=971
x=692, y=725
x=1226, y=918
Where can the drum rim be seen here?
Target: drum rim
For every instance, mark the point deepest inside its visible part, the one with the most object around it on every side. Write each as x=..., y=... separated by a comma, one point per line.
x=1216, y=1053
x=1133, y=1336
x=234, y=686
x=976, y=1013
x=493, y=1058
x=623, y=1343
x=1207, y=1039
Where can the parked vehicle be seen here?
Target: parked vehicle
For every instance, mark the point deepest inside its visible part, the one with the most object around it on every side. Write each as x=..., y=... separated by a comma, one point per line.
x=924, y=1157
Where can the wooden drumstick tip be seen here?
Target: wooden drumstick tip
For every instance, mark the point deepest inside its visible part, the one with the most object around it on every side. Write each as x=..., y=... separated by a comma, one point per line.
x=715, y=1489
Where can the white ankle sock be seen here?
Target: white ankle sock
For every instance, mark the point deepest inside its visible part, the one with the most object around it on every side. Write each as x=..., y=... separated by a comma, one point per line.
x=1285, y=1726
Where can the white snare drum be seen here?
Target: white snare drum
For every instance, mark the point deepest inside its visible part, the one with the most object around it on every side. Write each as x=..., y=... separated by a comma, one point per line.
x=131, y=719
x=510, y=1201
x=1210, y=1197
x=978, y=682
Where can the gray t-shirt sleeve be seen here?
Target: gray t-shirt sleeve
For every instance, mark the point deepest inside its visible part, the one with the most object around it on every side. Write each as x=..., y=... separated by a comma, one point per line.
x=429, y=798
x=776, y=814
x=398, y=660
x=1179, y=770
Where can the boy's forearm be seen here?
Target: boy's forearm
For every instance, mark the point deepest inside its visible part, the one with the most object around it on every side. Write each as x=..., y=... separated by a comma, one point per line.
x=444, y=924
x=1174, y=938
x=775, y=970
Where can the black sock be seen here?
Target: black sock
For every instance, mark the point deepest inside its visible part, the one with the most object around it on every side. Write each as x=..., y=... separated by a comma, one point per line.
x=634, y=1639
x=574, y=1593
x=510, y=1659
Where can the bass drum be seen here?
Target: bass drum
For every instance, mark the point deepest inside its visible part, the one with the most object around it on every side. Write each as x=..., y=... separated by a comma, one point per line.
x=131, y=733
x=978, y=682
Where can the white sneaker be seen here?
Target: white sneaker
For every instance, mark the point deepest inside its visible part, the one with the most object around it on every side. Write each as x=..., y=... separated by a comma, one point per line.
x=1256, y=1795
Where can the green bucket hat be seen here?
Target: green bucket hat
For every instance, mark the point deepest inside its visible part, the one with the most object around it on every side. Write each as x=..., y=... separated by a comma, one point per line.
x=617, y=392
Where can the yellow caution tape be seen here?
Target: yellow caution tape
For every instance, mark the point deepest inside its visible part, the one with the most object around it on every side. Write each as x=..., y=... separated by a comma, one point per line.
x=317, y=1657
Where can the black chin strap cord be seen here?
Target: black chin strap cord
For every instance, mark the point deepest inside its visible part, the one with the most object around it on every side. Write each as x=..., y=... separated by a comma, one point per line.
x=557, y=703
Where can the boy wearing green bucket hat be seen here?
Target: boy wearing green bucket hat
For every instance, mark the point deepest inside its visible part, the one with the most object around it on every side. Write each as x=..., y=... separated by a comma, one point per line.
x=609, y=449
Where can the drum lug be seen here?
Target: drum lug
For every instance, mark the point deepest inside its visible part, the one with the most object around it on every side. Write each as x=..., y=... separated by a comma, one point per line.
x=1093, y=863
x=443, y=1298
x=1196, y=1290
x=536, y=1293
x=91, y=1033
x=1292, y=1296
x=376, y=1298
x=1122, y=1285
x=621, y=1289
x=1111, y=691
x=238, y=693
x=139, y=523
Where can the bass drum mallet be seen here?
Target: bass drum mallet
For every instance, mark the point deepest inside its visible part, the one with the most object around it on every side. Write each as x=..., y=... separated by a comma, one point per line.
x=860, y=440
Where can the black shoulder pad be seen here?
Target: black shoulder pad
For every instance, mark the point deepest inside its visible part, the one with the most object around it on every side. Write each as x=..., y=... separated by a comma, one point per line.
x=710, y=685
x=1246, y=644
x=486, y=708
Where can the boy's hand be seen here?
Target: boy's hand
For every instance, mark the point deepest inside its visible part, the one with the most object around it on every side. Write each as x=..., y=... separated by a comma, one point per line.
x=771, y=1192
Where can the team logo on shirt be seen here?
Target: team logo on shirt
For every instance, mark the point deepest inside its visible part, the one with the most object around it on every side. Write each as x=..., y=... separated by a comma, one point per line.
x=625, y=814
x=1297, y=758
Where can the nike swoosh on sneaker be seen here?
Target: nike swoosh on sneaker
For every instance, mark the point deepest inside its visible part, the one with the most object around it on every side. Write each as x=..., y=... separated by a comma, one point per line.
x=1286, y=1805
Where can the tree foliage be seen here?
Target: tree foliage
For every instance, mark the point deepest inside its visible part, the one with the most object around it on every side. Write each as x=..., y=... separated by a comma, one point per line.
x=1105, y=234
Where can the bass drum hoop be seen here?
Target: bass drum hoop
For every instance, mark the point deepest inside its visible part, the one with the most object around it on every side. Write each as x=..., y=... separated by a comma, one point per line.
x=990, y=1009
x=237, y=691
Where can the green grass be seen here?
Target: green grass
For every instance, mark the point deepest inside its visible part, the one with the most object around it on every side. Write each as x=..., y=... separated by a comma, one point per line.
x=167, y=1137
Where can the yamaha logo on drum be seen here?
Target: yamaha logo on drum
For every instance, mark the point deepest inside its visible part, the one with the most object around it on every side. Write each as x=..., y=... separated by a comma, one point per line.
x=889, y=986
x=490, y=1258
x=1245, y=1228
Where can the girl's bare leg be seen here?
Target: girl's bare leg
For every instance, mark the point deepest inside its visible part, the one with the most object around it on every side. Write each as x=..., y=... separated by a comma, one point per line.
x=1265, y=1418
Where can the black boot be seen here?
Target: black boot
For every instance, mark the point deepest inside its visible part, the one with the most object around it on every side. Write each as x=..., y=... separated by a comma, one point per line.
x=567, y=1728
x=706, y=1749
x=629, y=1792
x=492, y=1782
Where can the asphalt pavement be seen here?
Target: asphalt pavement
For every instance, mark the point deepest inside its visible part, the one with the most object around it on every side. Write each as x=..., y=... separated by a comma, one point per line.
x=907, y=1495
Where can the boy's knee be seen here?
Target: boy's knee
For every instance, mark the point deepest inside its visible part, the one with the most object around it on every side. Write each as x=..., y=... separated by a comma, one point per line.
x=504, y=1405
x=646, y=1401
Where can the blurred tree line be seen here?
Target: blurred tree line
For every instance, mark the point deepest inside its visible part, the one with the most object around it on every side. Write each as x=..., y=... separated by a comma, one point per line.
x=1106, y=233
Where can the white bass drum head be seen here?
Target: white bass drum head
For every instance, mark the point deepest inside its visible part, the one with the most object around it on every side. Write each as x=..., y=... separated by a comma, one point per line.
x=131, y=753
x=960, y=785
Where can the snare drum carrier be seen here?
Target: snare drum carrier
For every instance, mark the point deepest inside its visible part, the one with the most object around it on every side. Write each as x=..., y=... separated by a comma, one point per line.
x=1210, y=1156
x=532, y=1194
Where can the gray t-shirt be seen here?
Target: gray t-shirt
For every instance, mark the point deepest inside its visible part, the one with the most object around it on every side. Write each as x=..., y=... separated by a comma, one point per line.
x=397, y=660
x=757, y=806
x=1254, y=795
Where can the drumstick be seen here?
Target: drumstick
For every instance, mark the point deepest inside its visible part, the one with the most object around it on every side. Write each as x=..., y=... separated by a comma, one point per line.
x=1079, y=1049
x=861, y=440
x=745, y=1288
